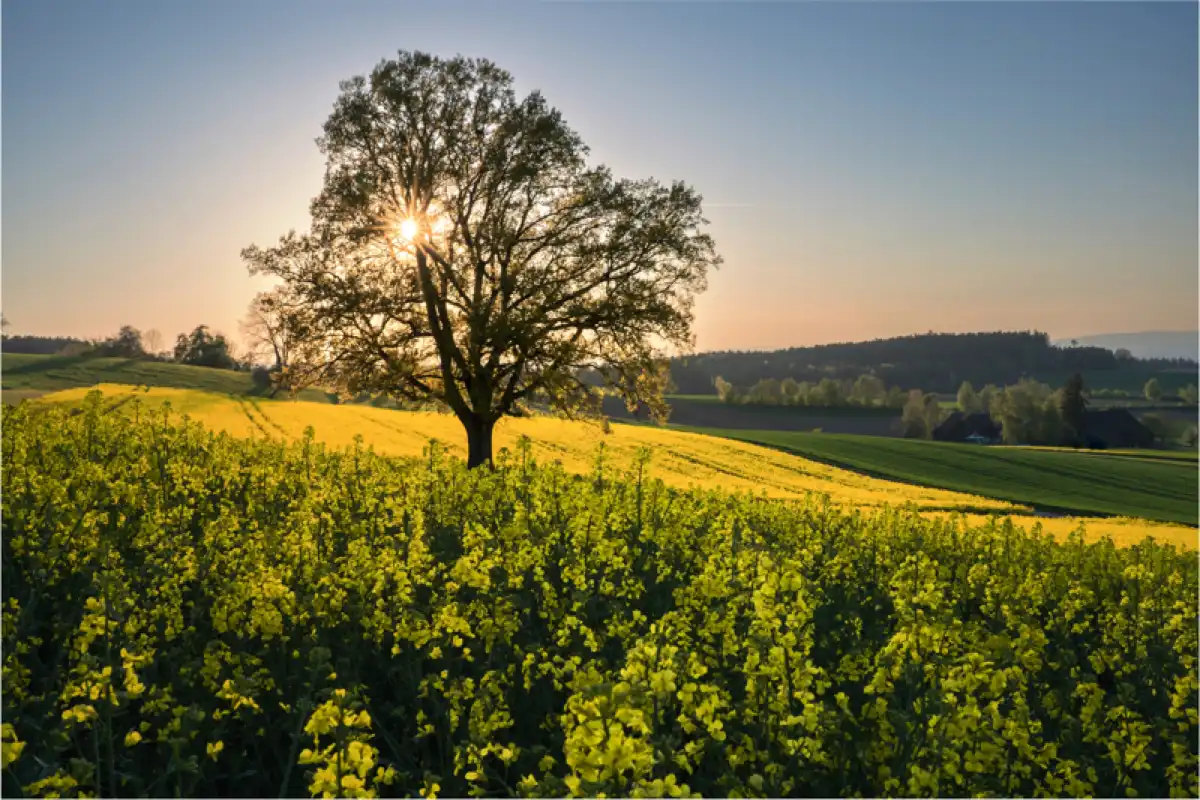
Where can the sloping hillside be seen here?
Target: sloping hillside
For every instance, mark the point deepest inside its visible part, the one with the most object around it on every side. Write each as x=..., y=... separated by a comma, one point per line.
x=23, y=376
x=1077, y=482
x=678, y=458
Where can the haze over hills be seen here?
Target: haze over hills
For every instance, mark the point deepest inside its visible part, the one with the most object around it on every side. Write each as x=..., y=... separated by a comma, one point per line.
x=1147, y=344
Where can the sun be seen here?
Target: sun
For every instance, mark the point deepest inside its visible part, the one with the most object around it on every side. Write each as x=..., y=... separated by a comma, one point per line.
x=408, y=229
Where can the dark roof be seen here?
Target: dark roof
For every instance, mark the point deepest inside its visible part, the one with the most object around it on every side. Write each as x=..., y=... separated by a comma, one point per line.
x=958, y=426
x=1116, y=427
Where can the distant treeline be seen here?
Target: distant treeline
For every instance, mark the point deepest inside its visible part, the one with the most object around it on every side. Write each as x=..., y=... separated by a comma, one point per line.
x=40, y=345
x=866, y=391
x=937, y=362
x=201, y=347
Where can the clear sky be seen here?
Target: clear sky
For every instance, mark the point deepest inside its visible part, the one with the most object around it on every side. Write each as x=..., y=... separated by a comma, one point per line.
x=870, y=169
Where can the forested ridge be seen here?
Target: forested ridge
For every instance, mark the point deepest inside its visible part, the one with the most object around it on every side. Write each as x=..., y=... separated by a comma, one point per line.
x=937, y=362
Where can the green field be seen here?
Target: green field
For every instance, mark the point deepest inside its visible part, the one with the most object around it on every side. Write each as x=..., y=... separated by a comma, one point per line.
x=1147, y=484
x=25, y=376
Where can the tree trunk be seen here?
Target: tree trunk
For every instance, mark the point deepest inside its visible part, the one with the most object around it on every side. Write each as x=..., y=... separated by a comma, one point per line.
x=479, y=440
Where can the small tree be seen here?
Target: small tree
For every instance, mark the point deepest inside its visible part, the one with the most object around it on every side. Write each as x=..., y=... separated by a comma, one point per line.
x=126, y=344
x=153, y=340
x=766, y=392
x=1152, y=390
x=726, y=391
x=1123, y=355
x=868, y=390
x=968, y=400
x=987, y=396
x=265, y=330
x=1072, y=405
x=921, y=415
x=1189, y=394
x=790, y=391
x=826, y=394
x=896, y=398
x=204, y=349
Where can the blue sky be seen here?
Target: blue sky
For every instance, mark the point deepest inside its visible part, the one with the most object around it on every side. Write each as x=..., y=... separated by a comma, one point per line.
x=870, y=169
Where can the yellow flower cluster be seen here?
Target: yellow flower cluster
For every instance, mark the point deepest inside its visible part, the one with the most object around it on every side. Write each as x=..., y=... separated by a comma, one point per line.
x=191, y=614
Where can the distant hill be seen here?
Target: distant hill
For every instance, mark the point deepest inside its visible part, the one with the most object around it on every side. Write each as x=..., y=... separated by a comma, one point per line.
x=1148, y=344
x=935, y=362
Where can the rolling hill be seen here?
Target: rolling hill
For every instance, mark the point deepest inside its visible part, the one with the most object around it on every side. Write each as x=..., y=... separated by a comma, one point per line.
x=1150, y=484
x=679, y=458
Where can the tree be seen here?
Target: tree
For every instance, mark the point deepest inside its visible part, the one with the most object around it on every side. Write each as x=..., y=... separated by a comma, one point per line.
x=826, y=394
x=266, y=332
x=895, y=397
x=204, y=349
x=126, y=344
x=1189, y=395
x=726, y=391
x=4, y=323
x=868, y=390
x=968, y=400
x=463, y=252
x=153, y=340
x=766, y=392
x=1072, y=404
x=1123, y=354
x=791, y=391
x=921, y=415
x=1152, y=390
x=987, y=396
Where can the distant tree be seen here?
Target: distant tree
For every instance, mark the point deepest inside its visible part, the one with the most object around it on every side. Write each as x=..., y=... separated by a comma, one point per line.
x=868, y=390
x=790, y=391
x=1189, y=394
x=1028, y=413
x=828, y=393
x=3, y=322
x=987, y=396
x=968, y=400
x=896, y=398
x=726, y=391
x=766, y=393
x=153, y=340
x=1190, y=436
x=1152, y=390
x=204, y=349
x=1123, y=355
x=804, y=394
x=126, y=344
x=266, y=332
x=1072, y=403
x=922, y=413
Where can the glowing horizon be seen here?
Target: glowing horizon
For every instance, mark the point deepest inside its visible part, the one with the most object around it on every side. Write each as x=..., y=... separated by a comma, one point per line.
x=996, y=166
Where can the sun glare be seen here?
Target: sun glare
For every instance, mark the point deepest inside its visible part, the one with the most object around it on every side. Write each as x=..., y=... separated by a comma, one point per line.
x=408, y=229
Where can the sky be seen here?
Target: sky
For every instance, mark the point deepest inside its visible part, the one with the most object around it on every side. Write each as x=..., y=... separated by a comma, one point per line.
x=869, y=169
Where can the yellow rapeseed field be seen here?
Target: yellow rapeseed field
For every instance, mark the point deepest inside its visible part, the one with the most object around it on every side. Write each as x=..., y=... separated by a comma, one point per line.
x=678, y=458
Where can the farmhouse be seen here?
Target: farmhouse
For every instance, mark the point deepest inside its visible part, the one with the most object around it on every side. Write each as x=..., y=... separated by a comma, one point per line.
x=978, y=428
x=1113, y=427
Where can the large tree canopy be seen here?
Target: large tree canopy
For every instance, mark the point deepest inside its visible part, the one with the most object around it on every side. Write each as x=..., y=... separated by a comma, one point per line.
x=462, y=250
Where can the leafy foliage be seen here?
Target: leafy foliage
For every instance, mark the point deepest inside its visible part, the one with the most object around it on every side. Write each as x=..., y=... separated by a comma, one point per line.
x=463, y=252
x=202, y=348
x=193, y=614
